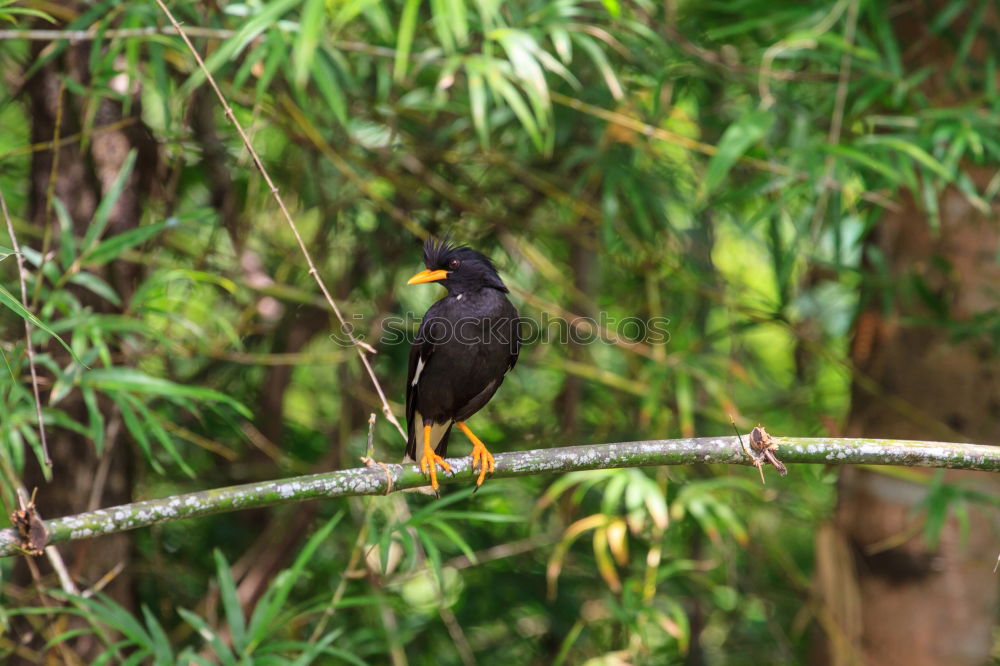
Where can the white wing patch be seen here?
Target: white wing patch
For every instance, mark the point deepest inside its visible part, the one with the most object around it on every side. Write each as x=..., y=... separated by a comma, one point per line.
x=437, y=431
x=416, y=375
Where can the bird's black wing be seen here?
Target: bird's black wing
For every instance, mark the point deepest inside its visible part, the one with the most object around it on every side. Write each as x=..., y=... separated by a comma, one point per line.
x=420, y=354
x=420, y=351
x=515, y=347
x=513, y=340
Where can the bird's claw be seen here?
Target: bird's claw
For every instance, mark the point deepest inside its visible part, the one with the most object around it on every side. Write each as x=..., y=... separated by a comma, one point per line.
x=482, y=459
x=428, y=466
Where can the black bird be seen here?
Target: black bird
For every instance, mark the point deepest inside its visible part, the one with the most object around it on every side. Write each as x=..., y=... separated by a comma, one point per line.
x=465, y=345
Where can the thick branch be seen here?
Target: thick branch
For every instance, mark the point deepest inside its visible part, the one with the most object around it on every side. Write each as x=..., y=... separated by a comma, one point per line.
x=375, y=480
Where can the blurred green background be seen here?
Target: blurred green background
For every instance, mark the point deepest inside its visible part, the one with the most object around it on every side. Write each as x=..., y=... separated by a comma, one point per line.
x=802, y=194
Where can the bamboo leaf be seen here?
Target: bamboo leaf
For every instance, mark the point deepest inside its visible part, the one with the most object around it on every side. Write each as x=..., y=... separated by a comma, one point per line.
x=92, y=283
x=503, y=88
x=441, y=24
x=14, y=304
x=161, y=435
x=67, y=243
x=228, y=51
x=600, y=60
x=747, y=130
x=95, y=417
x=455, y=538
x=478, y=102
x=311, y=26
x=137, y=430
x=911, y=150
x=271, y=604
x=458, y=20
x=404, y=38
x=160, y=644
x=113, y=247
x=230, y=602
x=222, y=652
x=325, y=77
x=103, y=213
x=131, y=379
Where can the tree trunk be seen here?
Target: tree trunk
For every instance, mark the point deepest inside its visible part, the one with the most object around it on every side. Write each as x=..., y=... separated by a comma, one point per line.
x=893, y=597
x=920, y=603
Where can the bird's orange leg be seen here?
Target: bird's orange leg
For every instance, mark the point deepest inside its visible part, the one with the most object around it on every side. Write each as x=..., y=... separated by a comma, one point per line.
x=480, y=456
x=430, y=460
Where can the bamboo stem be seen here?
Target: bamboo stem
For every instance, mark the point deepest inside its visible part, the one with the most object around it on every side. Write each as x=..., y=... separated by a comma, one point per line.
x=374, y=480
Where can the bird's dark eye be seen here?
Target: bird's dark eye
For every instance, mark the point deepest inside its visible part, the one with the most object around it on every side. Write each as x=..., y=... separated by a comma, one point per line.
x=454, y=264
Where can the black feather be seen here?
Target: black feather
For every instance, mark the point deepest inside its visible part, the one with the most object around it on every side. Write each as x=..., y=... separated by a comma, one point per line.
x=459, y=373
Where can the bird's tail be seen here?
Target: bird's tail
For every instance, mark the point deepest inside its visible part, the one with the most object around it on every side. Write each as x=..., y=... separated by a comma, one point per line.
x=415, y=438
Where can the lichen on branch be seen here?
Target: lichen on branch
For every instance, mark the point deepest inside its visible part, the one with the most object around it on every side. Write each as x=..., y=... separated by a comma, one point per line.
x=378, y=480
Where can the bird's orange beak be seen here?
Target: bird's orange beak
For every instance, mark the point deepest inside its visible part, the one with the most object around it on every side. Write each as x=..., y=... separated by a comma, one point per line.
x=423, y=277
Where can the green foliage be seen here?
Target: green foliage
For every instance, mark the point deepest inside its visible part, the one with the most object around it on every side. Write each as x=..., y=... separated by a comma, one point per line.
x=259, y=639
x=717, y=167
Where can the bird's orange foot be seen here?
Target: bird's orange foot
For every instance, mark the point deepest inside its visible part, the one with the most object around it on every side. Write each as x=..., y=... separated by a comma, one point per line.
x=480, y=456
x=428, y=465
x=482, y=459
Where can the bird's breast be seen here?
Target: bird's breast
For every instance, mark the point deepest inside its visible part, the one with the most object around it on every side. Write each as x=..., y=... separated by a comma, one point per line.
x=471, y=355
